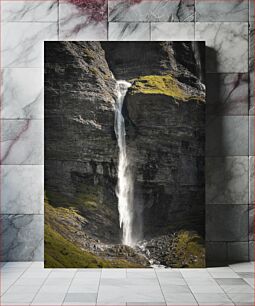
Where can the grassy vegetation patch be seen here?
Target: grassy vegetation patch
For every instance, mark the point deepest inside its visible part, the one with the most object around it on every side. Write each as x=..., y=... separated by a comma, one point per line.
x=163, y=85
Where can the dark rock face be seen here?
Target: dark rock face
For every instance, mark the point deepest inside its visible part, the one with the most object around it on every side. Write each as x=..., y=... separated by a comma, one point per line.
x=80, y=145
x=165, y=134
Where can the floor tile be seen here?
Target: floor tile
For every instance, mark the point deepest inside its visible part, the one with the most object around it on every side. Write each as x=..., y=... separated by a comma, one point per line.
x=213, y=299
x=81, y=298
x=114, y=273
x=242, y=299
x=243, y=267
x=180, y=299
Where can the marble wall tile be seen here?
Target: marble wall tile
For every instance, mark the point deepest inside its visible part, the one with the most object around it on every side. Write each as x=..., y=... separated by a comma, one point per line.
x=251, y=135
x=215, y=252
x=176, y=31
x=227, y=180
x=151, y=10
x=234, y=10
x=227, y=94
x=251, y=222
x=227, y=135
x=237, y=251
x=227, y=223
x=22, y=43
x=23, y=10
x=251, y=250
x=251, y=10
x=22, y=93
x=22, y=142
x=22, y=237
x=251, y=180
x=226, y=43
x=251, y=69
x=22, y=189
x=129, y=31
x=75, y=24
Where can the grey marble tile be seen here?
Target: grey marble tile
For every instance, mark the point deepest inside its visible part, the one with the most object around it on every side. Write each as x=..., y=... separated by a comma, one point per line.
x=227, y=94
x=216, y=252
x=22, y=93
x=251, y=68
x=22, y=237
x=151, y=10
x=80, y=297
x=23, y=43
x=227, y=223
x=251, y=135
x=226, y=43
x=22, y=142
x=175, y=31
x=213, y=298
x=227, y=135
x=242, y=299
x=22, y=189
x=251, y=180
x=238, y=251
x=227, y=180
x=251, y=250
x=234, y=10
x=251, y=10
x=129, y=31
x=22, y=10
x=77, y=22
x=251, y=222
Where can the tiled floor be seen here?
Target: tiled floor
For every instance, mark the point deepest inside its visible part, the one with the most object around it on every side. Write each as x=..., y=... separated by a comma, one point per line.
x=27, y=283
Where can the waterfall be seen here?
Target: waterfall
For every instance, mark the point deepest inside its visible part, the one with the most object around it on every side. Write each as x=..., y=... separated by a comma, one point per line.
x=125, y=181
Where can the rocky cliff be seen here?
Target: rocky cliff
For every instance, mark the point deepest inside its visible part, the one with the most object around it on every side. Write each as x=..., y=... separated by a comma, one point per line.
x=164, y=113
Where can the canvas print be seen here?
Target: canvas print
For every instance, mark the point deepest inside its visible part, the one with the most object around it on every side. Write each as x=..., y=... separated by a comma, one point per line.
x=124, y=154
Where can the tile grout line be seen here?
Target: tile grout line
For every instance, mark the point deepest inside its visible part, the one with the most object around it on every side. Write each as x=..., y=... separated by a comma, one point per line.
x=40, y=287
x=69, y=286
x=220, y=285
x=15, y=280
x=98, y=287
x=188, y=287
x=160, y=286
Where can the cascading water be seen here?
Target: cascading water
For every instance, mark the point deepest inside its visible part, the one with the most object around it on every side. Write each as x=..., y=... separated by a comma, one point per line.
x=125, y=180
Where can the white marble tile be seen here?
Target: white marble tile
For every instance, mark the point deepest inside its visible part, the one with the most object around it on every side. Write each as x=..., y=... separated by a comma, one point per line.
x=227, y=180
x=227, y=94
x=242, y=299
x=180, y=299
x=151, y=10
x=234, y=10
x=213, y=299
x=174, y=31
x=22, y=43
x=23, y=10
x=129, y=31
x=226, y=43
x=227, y=135
x=22, y=93
x=22, y=237
x=22, y=189
x=76, y=24
x=22, y=142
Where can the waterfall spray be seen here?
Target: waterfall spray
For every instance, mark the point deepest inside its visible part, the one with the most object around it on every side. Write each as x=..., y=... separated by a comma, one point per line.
x=125, y=181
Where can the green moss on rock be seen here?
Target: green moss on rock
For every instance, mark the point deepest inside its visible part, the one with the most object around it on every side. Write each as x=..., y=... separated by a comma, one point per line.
x=162, y=85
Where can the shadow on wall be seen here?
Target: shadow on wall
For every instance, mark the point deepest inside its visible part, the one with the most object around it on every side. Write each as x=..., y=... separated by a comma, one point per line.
x=215, y=147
